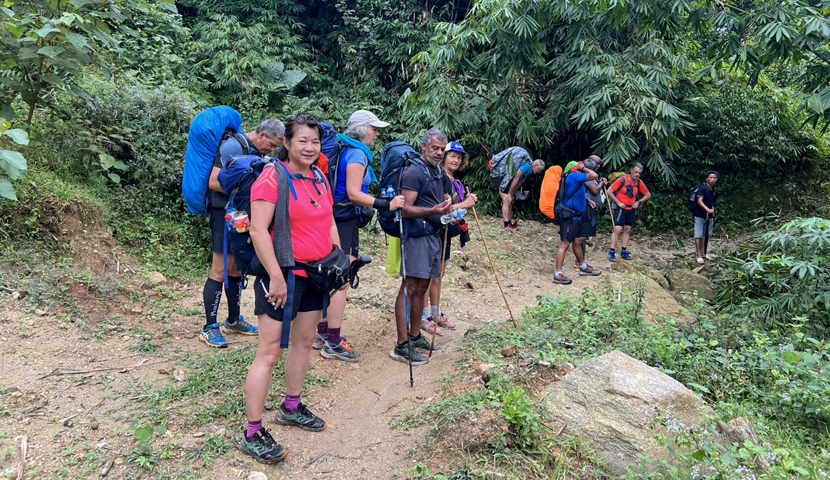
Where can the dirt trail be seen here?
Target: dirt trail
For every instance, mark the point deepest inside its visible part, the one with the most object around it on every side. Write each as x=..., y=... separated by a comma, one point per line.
x=359, y=402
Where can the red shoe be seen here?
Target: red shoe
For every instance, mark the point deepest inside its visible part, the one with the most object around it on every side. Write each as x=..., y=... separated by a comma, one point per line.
x=444, y=322
x=511, y=228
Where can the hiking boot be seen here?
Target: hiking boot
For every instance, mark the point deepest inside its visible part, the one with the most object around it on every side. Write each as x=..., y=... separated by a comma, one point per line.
x=401, y=354
x=625, y=255
x=589, y=271
x=302, y=418
x=444, y=322
x=612, y=256
x=511, y=228
x=262, y=447
x=700, y=261
x=562, y=280
x=240, y=326
x=423, y=343
x=429, y=326
x=340, y=352
x=319, y=341
x=213, y=337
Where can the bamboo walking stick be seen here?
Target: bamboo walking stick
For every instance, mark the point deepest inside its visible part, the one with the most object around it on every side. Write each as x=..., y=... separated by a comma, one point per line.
x=443, y=265
x=484, y=241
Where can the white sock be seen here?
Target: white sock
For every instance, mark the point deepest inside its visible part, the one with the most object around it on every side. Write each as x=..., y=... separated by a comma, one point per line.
x=425, y=315
x=433, y=312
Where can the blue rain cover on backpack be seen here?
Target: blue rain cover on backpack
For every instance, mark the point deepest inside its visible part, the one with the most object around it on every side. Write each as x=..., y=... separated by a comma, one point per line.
x=206, y=132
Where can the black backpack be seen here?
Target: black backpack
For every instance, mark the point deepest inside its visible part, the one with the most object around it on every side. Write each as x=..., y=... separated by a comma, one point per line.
x=560, y=211
x=691, y=199
x=396, y=157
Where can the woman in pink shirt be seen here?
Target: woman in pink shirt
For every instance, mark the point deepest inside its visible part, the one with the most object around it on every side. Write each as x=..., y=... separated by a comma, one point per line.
x=310, y=214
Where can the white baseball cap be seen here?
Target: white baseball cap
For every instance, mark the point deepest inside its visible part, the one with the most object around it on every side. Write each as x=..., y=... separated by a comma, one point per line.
x=365, y=117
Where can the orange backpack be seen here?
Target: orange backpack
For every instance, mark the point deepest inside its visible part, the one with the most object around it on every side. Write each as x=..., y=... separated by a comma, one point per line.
x=550, y=187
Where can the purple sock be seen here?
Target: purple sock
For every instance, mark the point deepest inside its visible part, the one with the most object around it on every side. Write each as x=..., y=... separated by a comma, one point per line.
x=253, y=427
x=334, y=337
x=292, y=402
x=323, y=328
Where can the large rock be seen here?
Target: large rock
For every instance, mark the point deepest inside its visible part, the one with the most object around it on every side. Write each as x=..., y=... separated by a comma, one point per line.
x=611, y=402
x=687, y=281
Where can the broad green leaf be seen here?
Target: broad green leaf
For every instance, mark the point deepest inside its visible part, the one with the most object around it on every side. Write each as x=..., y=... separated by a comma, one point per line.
x=51, y=51
x=114, y=177
x=15, y=159
x=46, y=30
x=143, y=433
x=107, y=161
x=120, y=166
x=76, y=39
x=699, y=455
x=6, y=190
x=18, y=135
x=792, y=357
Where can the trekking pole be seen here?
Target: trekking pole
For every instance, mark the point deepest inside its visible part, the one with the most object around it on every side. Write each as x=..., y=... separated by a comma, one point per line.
x=484, y=241
x=611, y=211
x=706, y=236
x=405, y=299
x=443, y=265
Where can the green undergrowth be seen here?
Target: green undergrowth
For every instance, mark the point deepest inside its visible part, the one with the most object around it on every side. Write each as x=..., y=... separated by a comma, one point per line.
x=213, y=387
x=777, y=380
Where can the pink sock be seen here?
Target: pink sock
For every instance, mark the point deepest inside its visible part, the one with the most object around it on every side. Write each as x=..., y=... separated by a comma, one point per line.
x=292, y=402
x=253, y=427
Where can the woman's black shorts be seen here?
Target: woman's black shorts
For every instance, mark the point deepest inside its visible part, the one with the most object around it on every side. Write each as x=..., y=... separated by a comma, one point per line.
x=306, y=298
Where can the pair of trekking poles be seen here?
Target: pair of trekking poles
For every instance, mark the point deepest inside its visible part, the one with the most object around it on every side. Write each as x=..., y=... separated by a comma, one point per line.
x=443, y=265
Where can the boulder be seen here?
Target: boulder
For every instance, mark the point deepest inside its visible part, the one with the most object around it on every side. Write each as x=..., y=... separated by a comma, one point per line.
x=687, y=281
x=612, y=403
x=157, y=278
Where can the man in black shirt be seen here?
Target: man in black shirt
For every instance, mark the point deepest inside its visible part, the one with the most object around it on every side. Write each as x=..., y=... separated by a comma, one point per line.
x=262, y=141
x=704, y=212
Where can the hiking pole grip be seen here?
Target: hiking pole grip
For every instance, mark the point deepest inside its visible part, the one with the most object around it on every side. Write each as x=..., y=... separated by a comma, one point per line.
x=493, y=265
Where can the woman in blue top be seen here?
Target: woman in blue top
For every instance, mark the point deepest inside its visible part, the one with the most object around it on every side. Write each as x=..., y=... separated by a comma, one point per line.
x=351, y=187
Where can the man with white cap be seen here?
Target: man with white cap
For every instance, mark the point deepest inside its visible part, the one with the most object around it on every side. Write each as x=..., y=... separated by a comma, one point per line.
x=352, y=208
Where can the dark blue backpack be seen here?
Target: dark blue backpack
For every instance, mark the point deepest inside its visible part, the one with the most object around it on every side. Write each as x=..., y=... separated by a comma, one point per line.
x=396, y=157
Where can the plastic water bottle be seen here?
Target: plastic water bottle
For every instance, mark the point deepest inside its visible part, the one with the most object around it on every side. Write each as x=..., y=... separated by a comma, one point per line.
x=453, y=215
x=389, y=193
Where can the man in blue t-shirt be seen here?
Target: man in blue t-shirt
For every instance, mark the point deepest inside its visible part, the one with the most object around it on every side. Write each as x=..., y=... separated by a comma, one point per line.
x=571, y=226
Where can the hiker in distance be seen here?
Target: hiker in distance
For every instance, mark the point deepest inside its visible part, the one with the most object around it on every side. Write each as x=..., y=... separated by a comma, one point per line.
x=291, y=207
x=704, y=212
x=350, y=198
x=421, y=243
x=572, y=224
x=455, y=159
x=509, y=169
x=624, y=205
x=595, y=198
x=267, y=137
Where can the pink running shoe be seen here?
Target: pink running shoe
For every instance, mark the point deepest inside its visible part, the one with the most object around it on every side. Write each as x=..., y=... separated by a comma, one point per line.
x=445, y=322
x=429, y=326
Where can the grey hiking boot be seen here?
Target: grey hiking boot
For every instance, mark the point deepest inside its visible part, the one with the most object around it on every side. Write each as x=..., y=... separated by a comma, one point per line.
x=562, y=280
x=319, y=341
x=401, y=354
x=589, y=271
x=421, y=342
x=340, y=352
x=301, y=417
x=262, y=447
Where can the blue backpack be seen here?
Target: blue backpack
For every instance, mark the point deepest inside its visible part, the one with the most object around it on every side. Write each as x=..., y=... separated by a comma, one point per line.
x=396, y=157
x=206, y=133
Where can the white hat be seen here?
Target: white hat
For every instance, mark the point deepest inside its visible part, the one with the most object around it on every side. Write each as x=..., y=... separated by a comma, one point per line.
x=365, y=117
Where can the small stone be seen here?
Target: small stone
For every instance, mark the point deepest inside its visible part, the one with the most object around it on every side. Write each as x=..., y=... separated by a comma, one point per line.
x=94, y=426
x=470, y=286
x=136, y=309
x=483, y=369
x=40, y=313
x=471, y=331
x=119, y=461
x=157, y=278
x=164, y=371
x=420, y=397
x=68, y=423
x=509, y=351
x=257, y=476
x=180, y=375
x=269, y=405
x=198, y=434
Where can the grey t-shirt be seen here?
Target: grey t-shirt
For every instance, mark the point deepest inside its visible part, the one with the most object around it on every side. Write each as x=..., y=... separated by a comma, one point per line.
x=413, y=178
x=227, y=150
x=599, y=198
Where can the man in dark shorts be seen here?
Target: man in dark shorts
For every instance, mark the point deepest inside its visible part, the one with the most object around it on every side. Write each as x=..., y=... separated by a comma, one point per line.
x=623, y=194
x=571, y=225
x=595, y=197
x=704, y=212
x=421, y=251
x=262, y=141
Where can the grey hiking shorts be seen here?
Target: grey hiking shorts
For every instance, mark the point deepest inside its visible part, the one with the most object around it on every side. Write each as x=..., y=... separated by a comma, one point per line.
x=422, y=257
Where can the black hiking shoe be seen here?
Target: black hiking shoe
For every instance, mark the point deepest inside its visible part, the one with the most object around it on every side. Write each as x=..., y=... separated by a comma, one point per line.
x=562, y=280
x=302, y=418
x=421, y=342
x=262, y=447
x=401, y=354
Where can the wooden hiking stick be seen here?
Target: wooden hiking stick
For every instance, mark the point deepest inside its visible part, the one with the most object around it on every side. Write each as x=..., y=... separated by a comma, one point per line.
x=443, y=265
x=484, y=241
x=611, y=210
